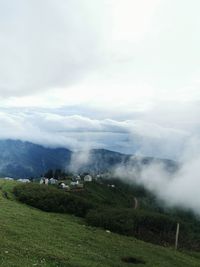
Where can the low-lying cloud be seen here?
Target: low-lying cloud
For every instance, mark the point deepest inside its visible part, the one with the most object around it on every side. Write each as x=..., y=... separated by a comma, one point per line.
x=79, y=132
x=178, y=189
x=79, y=159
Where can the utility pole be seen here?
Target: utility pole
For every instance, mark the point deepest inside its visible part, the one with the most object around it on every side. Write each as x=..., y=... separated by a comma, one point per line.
x=177, y=235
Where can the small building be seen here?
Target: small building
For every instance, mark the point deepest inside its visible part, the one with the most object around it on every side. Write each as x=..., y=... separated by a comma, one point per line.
x=111, y=185
x=42, y=181
x=88, y=178
x=46, y=181
x=64, y=186
x=9, y=178
x=77, y=177
x=74, y=183
x=24, y=180
x=53, y=181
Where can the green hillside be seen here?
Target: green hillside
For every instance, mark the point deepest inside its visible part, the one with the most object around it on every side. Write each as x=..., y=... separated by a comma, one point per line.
x=30, y=237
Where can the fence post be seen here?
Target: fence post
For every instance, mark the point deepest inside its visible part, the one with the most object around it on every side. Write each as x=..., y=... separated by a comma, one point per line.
x=177, y=235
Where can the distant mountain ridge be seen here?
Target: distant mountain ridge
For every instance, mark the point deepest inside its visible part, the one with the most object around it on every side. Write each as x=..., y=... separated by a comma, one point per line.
x=25, y=159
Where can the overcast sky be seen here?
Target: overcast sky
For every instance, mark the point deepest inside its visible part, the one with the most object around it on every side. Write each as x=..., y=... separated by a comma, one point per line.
x=119, y=74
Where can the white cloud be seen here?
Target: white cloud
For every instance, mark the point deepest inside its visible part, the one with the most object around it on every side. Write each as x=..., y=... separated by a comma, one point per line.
x=53, y=44
x=127, y=69
x=47, y=44
x=132, y=19
x=180, y=189
x=78, y=133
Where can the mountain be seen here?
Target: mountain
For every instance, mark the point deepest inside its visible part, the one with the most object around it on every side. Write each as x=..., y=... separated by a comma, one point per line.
x=104, y=160
x=22, y=159
x=25, y=159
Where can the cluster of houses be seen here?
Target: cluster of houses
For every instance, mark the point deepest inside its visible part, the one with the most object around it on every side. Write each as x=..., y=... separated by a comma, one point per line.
x=18, y=180
x=74, y=182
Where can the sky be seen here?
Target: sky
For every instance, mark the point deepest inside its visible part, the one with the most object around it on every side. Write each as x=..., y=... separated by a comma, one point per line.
x=115, y=74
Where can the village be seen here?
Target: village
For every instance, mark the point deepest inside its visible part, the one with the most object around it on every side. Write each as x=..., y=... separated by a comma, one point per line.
x=74, y=182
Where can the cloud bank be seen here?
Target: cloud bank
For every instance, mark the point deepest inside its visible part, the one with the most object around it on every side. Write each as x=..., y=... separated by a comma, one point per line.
x=180, y=189
x=79, y=132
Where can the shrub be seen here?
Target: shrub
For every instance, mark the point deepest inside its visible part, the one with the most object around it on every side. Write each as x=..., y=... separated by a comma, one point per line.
x=51, y=199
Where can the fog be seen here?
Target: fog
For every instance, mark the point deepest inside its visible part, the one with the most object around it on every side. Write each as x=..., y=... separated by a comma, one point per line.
x=79, y=159
x=178, y=189
x=80, y=133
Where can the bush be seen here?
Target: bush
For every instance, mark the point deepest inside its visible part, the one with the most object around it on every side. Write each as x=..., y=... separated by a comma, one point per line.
x=148, y=226
x=51, y=199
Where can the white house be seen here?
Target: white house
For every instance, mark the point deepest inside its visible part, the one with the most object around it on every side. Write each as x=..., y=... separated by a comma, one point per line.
x=74, y=183
x=8, y=178
x=64, y=186
x=52, y=181
x=24, y=180
x=77, y=177
x=88, y=178
x=46, y=181
x=111, y=185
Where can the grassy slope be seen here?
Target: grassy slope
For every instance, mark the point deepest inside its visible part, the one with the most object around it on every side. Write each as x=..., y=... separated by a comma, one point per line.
x=29, y=237
x=104, y=195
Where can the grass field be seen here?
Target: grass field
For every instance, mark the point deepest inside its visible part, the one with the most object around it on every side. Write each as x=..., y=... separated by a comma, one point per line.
x=30, y=237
